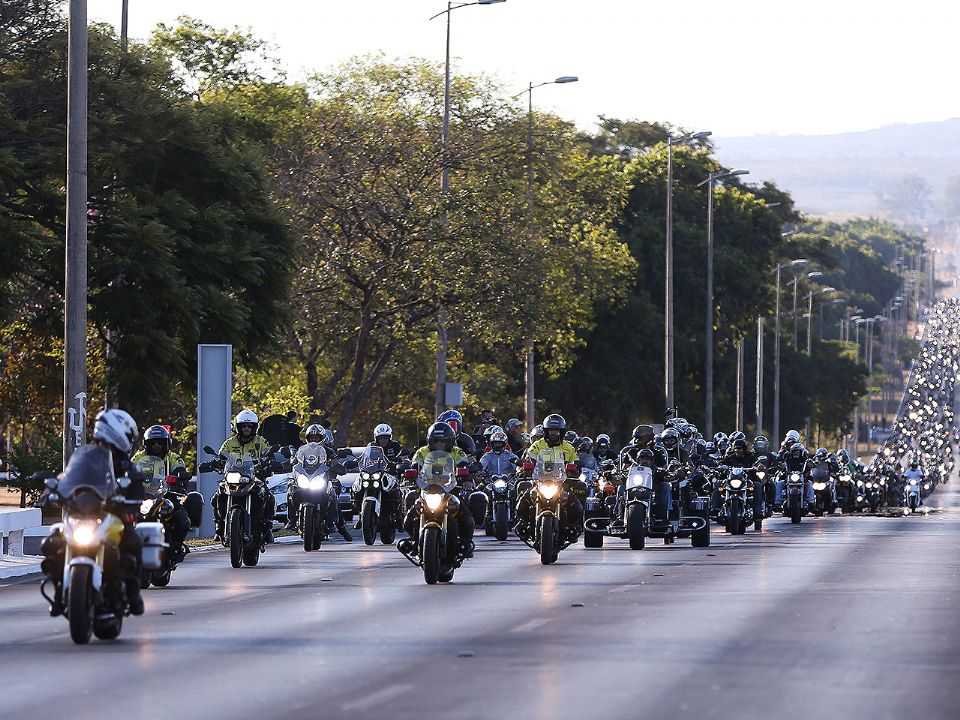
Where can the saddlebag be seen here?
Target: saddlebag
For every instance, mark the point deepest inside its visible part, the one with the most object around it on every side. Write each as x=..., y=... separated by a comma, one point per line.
x=151, y=534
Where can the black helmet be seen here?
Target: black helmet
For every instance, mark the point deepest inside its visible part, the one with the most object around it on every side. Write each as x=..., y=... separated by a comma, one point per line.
x=821, y=454
x=571, y=437
x=512, y=424
x=670, y=438
x=156, y=441
x=586, y=444
x=798, y=451
x=643, y=434
x=699, y=448
x=739, y=446
x=645, y=457
x=441, y=436
x=687, y=431
x=554, y=426
x=761, y=444
x=738, y=435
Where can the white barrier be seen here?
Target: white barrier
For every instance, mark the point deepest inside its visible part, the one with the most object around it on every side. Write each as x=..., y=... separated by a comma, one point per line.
x=13, y=521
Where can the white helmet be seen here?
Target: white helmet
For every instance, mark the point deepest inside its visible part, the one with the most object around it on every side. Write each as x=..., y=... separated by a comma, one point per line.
x=381, y=430
x=117, y=429
x=498, y=436
x=245, y=417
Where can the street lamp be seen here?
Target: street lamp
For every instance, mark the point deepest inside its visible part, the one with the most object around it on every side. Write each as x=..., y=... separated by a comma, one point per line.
x=819, y=291
x=439, y=399
x=710, y=182
x=668, y=302
x=529, y=399
x=795, y=265
x=796, y=327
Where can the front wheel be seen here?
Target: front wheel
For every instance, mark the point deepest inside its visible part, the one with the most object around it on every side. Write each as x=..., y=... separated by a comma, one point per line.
x=236, y=537
x=108, y=628
x=368, y=523
x=387, y=533
x=549, y=530
x=251, y=555
x=309, y=528
x=701, y=538
x=636, y=527
x=501, y=523
x=795, y=512
x=80, y=604
x=430, y=553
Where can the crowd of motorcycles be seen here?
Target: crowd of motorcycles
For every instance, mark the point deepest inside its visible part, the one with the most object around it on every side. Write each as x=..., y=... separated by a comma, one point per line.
x=549, y=489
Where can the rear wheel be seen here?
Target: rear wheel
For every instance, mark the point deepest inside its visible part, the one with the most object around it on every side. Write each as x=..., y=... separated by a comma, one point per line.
x=108, y=628
x=701, y=537
x=368, y=523
x=160, y=579
x=236, y=537
x=549, y=530
x=80, y=604
x=251, y=555
x=309, y=528
x=636, y=528
x=430, y=553
x=501, y=523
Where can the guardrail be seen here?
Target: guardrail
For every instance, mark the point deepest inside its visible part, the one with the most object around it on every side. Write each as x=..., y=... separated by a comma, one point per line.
x=13, y=522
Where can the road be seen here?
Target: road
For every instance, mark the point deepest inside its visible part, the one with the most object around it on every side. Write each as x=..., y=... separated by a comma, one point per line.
x=840, y=617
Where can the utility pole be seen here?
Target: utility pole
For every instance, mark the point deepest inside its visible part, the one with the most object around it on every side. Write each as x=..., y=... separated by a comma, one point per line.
x=759, y=404
x=775, y=440
x=124, y=26
x=75, y=280
x=740, y=382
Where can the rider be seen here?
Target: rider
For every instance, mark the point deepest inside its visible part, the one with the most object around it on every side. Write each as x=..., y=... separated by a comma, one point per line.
x=440, y=437
x=499, y=460
x=487, y=419
x=246, y=444
x=454, y=419
x=157, y=462
x=315, y=433
x=515, y=438
x=602, y=449
x=114, y=431
x=554, y=427
x=643, y=438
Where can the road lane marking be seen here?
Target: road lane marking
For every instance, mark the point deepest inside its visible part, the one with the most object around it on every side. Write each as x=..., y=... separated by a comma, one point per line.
x=530, y=625
x=376, y=698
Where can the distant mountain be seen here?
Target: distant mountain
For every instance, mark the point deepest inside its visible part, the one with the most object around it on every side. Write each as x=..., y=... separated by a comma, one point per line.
x=843, y=174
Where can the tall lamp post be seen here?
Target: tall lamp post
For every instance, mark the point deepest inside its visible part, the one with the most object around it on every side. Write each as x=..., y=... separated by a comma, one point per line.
x=439, y=399
x=529, y=399
x=818, y=291
x=668, y=280
x=710, y=182
x=795, y=264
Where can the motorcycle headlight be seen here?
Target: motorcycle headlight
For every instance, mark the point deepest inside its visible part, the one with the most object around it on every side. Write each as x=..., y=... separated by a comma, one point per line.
x=913, y=482
x=761, y=475
x=926, y=486
x=375, y=476
x=500, y=484
x=376, y=484
x=433, y=500
x=84, y=533
x=859, y=498
x=736, y=483
x=844, y=478
x=234, y=478
x=145, y=506
x=819, y=486
x=795, y=477
x=303, y=481
x=883, y=482
x=860, y=484
x=366, y=483
x=318, y=483
x=548, y=490
x=365, y=476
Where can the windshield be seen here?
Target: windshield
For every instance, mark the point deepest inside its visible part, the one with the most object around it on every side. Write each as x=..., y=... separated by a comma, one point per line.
x=244, y=466
x=640, y=476
x=438, y=469
x=551, y=465
x=90, y=467
x=311, y=456
x=373, y=459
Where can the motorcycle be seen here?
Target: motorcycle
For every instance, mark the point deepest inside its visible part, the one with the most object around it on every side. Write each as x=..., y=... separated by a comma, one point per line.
x=912, y=493
x=847, y=492
x=500, y=489
x=160, y=509
x=379, y=512
x=795, y=498
x=825, y=501
x=438, y=547
x=875, y=493
x=240, y=484
x=90, y=593
x=313, y=478
x=737, y=508
x=552, y=530
x=621, y=506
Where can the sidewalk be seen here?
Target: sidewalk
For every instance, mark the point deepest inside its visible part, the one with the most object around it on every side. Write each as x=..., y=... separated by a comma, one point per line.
x=13, y=567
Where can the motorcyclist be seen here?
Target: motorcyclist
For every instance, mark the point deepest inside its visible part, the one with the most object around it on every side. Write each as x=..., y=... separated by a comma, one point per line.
x=603, y=449
x=246, y=444
x=440, y=437
x=642, y=438
x=515, y=438
x=454, y=419
x=790, y=439
x=487, y=419
x=157, y=462
x=321, y=436
x=588, y=461
x=536, y=434
x=115, y=432
x=554, y=429
x=721, y=442
x=499, y=460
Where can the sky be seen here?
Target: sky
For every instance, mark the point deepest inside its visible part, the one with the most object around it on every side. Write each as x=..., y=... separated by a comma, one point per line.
x=735, y=67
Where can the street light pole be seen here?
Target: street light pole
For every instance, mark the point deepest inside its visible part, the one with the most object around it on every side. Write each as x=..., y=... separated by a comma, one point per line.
x=124, y=26
x=75, y=280
x=776, y=364
x=668, y=279
x=442, y=339
x=759, y=403
x=529, y=398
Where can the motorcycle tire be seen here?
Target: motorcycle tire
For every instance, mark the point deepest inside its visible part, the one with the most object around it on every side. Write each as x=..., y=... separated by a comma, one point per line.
x=501, y=523
x=796, y=514
x=478, y=507
x=701, y=538
x=734, y=518
x=108, y=628
x=387, y=534
x=145, y=578
x=368, y=523
x=236, y=538
x=446, y=575
x=757, y=525
x=161, y=579
x=430, y=553
x=251, y=555
x=80, y=604
x=309, y=529
x=636, y=529
x=549, y=532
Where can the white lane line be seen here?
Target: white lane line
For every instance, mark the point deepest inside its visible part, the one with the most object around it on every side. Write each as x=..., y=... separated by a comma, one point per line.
x=376, y=698
x=530, y=625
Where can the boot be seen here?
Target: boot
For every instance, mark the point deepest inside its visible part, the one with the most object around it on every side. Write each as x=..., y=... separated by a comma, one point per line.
x=344, y=533
x=407, y=546
x=268, y=532
x=134, y=599
x=291, y=524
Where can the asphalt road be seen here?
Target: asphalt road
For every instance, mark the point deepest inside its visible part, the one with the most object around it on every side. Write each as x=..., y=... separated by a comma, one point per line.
x=840, y=617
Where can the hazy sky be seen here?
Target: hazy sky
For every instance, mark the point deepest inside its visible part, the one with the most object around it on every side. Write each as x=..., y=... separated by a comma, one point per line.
x=732, y=66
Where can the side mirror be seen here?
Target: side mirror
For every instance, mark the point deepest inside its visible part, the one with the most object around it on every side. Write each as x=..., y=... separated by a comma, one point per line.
x=50, y=484
x=209, y=450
